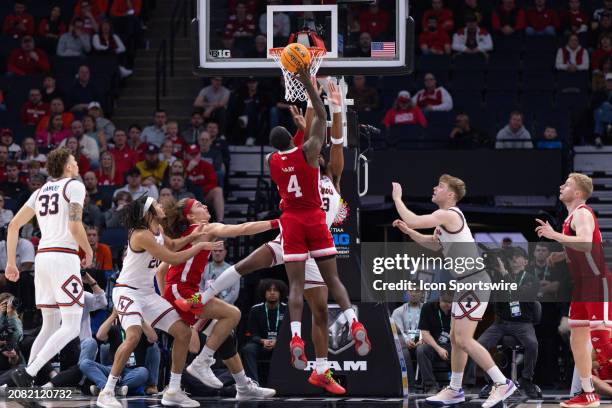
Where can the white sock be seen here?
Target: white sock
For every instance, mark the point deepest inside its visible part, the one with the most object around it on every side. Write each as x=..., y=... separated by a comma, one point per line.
x=206, y=354
x=456, y=380
x=226, y=280
x=350, y=315
x=587, y=384
x=175, y=382
x=241, y=379
x=296, y=329
x=111, y=383
x=321, y=365
x=47, y=385
x=576, y=386
x=496, y=375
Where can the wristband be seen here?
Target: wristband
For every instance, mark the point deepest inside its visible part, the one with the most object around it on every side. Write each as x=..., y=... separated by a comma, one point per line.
x=274, y=224
x=335, y=108
x=337, y=141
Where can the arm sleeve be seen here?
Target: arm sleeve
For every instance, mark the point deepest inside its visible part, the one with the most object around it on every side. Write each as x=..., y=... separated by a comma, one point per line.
x=232, y=294
x=62, y=50
x=32, y=200
x=120, y=46
x=585, y=61
x=397, y=318
x=97, y=45
x=86, y=41
x=559, y=64
x=97, y=301
x=458, y=43
x=17, y=329
x=211, y=176
x=487, y=43
x=75, y=190
x=447, y=102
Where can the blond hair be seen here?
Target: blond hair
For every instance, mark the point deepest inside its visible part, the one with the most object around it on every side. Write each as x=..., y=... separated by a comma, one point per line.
x=584, y=183
x=455, y=185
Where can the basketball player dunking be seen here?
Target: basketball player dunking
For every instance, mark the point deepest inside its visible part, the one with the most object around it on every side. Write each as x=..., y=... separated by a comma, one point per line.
x=584, y=254
x=58, y=207
x=304, y=232
x=454, y=237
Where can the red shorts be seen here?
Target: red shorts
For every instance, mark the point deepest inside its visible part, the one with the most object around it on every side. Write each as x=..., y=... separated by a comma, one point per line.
x=173, y=291
x=590, y=314
x=305, y=233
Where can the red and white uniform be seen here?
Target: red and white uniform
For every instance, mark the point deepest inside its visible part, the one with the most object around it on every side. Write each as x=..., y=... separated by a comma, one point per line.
x=134, y=293
x=57, y=276
x=304, y=232
x=183, y=281
x=590, y=278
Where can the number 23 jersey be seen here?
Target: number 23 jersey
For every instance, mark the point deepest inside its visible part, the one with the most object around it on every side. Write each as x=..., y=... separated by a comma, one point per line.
x=51, y=203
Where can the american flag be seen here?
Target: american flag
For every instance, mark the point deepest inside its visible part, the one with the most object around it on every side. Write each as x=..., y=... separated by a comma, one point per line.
x=383, y=49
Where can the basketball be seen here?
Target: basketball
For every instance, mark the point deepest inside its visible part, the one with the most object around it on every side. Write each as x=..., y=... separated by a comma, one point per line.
x=295, y=55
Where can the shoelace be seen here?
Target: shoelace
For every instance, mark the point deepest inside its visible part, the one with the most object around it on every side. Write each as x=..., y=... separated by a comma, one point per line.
x=329, y=377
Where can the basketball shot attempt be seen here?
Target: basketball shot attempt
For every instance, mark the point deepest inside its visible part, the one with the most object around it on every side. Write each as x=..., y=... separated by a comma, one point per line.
x=584, y=254
x=454, y=237
x=58, y=207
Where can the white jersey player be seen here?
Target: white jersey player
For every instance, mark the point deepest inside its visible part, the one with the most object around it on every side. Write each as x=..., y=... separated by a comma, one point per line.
x=135, y=298
x=453, y=236
x=58, y=207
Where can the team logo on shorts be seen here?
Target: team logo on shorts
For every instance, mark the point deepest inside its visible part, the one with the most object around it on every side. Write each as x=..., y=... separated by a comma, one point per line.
x=343, y=213
x=339, y=331
x=123, y=304
x=74, y=289
x=468, y=302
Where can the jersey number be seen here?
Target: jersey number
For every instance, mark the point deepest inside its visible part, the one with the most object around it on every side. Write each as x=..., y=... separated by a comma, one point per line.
x=294, y=187
x=154, y=263
x=49, y=204
x=325, y=205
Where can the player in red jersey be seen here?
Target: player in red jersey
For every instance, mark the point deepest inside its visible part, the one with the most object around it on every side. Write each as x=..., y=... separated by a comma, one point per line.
x=216, y=318
x=589, y=309
x=304, y=231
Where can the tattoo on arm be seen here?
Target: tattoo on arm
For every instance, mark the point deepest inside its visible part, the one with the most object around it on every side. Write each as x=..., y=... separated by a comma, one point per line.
x=75, y=212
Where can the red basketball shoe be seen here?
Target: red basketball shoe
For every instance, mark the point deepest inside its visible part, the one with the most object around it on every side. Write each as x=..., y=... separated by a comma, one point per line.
x=582, y=400
x=327, y=382
x=298, y=354
x=193, y=304
x=360, y=335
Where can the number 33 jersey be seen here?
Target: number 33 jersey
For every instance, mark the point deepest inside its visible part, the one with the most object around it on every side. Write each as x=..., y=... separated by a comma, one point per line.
x=297, y=181
x=51, y=203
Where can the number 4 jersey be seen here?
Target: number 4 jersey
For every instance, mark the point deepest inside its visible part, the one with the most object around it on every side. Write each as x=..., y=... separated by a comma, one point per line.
x=51, y=203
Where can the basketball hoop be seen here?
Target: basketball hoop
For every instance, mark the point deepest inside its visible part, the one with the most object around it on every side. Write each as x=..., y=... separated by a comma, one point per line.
x=294, y=90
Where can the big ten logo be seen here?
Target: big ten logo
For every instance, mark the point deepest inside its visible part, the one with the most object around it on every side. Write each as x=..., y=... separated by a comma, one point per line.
x=341, y=239
x=220, y=53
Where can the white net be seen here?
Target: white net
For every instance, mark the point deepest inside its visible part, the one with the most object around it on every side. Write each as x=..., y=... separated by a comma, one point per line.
x=294, y=90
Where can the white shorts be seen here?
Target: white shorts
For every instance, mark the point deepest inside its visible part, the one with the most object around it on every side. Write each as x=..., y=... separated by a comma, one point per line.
x=57, y=279
x=134, y=305
x=312, y=277
x=471, y=304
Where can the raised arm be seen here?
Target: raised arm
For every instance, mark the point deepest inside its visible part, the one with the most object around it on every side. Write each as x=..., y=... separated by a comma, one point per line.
x=219, y=230
x=584, y=225
x=144, y=240
x=336, y=153
x=177, y=244
x=102, y=333
x=439, y=217
x=316, y=139
x=427, y=241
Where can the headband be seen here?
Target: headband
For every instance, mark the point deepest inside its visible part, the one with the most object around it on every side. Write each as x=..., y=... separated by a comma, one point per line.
x=147, y=205
x=188, y=204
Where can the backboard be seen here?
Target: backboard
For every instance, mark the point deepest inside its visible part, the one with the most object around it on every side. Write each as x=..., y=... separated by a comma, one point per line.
x=233, y=38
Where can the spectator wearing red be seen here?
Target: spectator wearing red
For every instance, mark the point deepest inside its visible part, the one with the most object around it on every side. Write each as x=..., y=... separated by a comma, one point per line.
x=572, y=57
x=135, y=140
x=574, y=20
x=90, y=16
x=242, y=23
x=202, y=173
x=542, y=20
x=28, y=60
x=434, y=40
x=125, y=157
x=50, y=29
x=56, y=107
x=123, y=8
x=172, y=134
x=34, y=109
x=375, y=21
x=472, y=39
x=508, y=19
x=604, y=50
x=98, y=7
x=404, y=112
x=19, y=23
x=443, y=15
x=54, y=134
x=107, y=173
x=433, y=97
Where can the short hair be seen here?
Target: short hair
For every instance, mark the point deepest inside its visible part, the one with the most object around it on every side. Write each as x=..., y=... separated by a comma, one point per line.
x=12, y=163
x=92, y=227
x=516, y=113
x=134, y=125
x=159, y=111
x=455, y=184
x=446, y=296
x=57, y=160
x=584, y=183
x=280, y=138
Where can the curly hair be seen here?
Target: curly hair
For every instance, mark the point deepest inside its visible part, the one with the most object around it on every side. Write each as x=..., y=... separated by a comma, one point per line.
x=133, y=217
x=266, y=284
x=57, y=160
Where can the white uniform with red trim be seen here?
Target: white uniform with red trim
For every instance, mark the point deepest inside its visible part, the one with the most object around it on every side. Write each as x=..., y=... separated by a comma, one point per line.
x=456, y=244
x=331, y=202
x=57, y=276
x=134, y=293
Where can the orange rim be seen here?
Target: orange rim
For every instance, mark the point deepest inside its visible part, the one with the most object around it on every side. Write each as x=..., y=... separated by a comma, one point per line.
x=314, y=51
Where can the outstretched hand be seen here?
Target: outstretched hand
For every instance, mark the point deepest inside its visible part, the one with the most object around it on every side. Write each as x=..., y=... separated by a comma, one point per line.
x=334, y=94
x=402, y=226
x=544, y=229
x=298, y=118
x=303, y=74
x=396, y=192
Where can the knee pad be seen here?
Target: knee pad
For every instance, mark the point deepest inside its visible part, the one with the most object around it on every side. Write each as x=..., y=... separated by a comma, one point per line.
x=228, y=350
